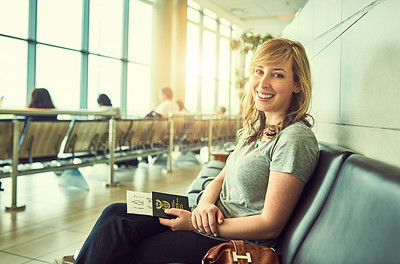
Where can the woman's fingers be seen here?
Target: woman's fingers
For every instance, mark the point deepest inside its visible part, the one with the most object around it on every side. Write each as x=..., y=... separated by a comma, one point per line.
x=194, y=221
x=213, y=229
x=220, y=217
x=207, y=220
x=181, y=222
x=197, y=222
x=200, y=224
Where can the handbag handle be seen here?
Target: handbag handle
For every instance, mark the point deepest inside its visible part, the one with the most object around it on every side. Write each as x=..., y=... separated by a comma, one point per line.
x=240, y=255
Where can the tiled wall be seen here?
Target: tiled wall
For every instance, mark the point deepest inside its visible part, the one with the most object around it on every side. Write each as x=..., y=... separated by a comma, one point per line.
x=354, y=50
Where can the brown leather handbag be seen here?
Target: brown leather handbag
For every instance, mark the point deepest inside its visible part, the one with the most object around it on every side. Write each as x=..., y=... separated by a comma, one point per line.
x=236, y=251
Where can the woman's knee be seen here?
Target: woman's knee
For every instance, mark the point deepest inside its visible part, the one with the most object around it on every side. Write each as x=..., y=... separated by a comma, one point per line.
x=114, y=209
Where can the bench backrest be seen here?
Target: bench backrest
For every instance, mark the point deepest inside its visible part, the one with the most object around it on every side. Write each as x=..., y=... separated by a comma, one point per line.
x=311, y=201
x=198, y=131
x=360, y=221
x=85, y=135
x=123, y=132
x=141, y=129
x=234, y=126
x=160, y=133
x=6, y=135
x=220, y=129
x=42, y=139
x=182, y=126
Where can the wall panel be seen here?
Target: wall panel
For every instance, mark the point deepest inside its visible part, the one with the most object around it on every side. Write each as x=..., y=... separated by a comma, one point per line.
x=327, y=14
x=326, y=83
x=370, y=67
x=377, y=143
x=327, y=132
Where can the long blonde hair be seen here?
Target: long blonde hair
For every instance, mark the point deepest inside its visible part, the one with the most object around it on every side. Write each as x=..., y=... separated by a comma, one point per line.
x=277, y=51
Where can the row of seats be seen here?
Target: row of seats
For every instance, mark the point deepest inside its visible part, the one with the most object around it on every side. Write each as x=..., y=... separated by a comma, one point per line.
x=41, y=141
x=64, y=146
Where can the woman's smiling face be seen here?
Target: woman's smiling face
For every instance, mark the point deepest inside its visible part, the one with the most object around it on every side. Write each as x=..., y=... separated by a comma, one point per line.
x=272, y=88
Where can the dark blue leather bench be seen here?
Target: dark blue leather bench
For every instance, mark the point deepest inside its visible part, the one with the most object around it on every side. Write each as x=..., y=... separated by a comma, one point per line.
x=349, y=212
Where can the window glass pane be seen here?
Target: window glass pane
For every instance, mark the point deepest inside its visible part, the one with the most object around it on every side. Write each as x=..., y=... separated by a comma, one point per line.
x=235, y=32
x=193, y=4
x=14, y=18
x=138, y=90
x=208, y=72
x=209, y=23
x=192, y=68
x=59, y=22
x=192, y=84
x=104, y=77
x=193, y=15
x=192, y=49
x=235, y=100
x=13, y=54
x=209, y=54
x=223, y=94
x=247, y=60
x=234, y=103
x=224, y=59
x=225, y=22
x=209, y=13
x=224, y=72
x=207, y=96
x=140, y=32
x=225, y=30
x=58, y=71
x=105, y=31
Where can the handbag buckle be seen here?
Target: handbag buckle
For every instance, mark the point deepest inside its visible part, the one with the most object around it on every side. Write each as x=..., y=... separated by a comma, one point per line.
x=237, y=257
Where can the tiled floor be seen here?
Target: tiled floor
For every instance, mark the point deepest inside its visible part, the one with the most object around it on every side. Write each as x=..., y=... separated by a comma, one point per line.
x=57, y=220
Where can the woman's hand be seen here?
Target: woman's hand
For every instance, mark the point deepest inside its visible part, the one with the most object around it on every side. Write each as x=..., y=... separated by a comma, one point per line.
x=205, y=219
x=182, y=222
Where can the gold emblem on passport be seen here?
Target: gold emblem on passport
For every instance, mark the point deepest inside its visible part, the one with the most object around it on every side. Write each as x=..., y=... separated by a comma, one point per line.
x=164, y=201
x=164, y=205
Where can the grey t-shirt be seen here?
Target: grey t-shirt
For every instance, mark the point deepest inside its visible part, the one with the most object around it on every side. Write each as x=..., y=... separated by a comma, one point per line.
x=295, y=151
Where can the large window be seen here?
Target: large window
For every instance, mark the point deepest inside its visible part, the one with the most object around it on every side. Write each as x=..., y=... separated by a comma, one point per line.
x=208, y=61
x=77, y=50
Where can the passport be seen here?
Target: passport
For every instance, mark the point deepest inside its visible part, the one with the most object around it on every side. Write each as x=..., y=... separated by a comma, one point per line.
x=154, y=203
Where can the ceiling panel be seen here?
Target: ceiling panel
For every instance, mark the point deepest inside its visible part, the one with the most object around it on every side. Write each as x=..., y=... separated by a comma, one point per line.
x=259, y=16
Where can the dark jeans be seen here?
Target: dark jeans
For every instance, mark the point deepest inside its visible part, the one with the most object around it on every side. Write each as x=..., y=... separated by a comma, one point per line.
x=118, y=237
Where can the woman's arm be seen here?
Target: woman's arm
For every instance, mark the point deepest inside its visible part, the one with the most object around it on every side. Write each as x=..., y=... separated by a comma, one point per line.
x=206, y=216
x=283, y=192
x=211, y=193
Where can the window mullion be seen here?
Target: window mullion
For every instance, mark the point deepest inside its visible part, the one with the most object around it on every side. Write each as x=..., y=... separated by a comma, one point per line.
x=84, y=55
x=124, y=62
x=32, y=41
